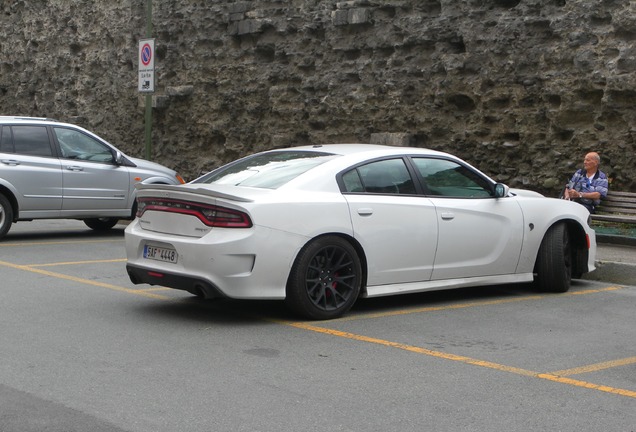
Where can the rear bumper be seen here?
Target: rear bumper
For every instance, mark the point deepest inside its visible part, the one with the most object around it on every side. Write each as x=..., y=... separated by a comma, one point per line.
x=232, y=263
x=197, y=286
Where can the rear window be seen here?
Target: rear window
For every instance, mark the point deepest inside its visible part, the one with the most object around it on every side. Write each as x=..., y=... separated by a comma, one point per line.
x=27, y=140
x=266, y=170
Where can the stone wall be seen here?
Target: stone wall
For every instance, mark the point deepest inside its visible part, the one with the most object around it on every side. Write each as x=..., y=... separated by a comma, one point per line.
x=522, y=89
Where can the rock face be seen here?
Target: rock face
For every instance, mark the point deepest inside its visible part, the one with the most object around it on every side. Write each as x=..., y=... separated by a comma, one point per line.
x=520, y=89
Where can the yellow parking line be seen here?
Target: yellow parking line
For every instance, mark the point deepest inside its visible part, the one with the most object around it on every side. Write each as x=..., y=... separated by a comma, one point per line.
x=156, y=289
x=588, y=385
x=462, y=359
x=85, y=281
x=434, y=308
x=559, y=376
x=7, y=245
x=467, y=305
x=594, y=291
x=406, y=347
x=595, y=367
x=78, y=262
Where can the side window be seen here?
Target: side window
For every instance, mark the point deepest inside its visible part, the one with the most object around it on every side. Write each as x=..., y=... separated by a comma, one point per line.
x=31, y=140
x=450, y=179
x=383, y=177
x=352, y=182
x=6, y=143
x=76, y=145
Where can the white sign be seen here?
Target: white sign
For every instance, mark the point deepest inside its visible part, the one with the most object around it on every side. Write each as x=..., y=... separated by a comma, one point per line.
x=146, y=65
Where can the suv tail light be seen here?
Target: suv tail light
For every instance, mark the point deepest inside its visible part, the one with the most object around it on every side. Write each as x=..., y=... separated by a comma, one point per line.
x=213, y=216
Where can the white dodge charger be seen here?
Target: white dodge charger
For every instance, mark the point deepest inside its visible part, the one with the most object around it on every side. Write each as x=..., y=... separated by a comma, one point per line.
x=320, y=226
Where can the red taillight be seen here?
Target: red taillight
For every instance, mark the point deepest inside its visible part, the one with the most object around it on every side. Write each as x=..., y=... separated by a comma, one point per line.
x=214, y=216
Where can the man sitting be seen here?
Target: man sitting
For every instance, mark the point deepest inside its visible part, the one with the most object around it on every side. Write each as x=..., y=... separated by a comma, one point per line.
x=588, y=184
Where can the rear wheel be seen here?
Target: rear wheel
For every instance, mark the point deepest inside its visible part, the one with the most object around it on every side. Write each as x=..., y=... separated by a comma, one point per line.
x=325, y=280
x=101, y=224
x=6, y=215
x=554, y=261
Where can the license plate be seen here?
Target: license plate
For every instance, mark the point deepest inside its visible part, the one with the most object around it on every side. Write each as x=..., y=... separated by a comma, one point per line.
x=160, y=254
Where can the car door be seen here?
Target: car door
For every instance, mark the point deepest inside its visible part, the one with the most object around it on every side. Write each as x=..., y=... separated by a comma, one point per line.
x=30, y=169
x=479, y=235
x=396, y=228
x=92, y=181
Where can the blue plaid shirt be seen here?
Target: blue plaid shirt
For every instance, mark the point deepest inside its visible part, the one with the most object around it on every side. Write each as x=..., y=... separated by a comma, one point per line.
x=582, y=184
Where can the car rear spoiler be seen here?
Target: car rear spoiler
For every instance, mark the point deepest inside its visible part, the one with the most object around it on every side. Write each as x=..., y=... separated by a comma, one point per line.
x=181, y=189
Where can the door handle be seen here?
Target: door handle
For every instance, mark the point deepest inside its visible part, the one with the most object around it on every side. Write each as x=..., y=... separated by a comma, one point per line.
x=11, y=162
x=366, y=211
x=448, y=216
x=74, y=168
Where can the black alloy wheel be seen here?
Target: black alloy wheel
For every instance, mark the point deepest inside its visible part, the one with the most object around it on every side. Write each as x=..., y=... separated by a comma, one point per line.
x=325, y=280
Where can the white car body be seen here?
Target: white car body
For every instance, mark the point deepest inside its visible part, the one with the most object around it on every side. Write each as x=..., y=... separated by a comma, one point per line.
x=406, y=242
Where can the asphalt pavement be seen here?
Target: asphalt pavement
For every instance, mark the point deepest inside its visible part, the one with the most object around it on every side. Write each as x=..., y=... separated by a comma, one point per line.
x=83, y=349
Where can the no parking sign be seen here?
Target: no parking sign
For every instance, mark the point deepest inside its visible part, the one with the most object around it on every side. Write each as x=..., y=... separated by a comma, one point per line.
x=146, y=65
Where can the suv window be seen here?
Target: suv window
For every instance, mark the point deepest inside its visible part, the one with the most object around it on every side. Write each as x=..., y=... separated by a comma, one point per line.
x=77, y=145
x=450, y=179
x=6, y=143
x=384, y=177
x=27, y=140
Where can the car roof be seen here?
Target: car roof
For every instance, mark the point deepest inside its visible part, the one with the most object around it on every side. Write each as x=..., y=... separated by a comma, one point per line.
x=351, y=155
x=25, y=119
x=370, y=149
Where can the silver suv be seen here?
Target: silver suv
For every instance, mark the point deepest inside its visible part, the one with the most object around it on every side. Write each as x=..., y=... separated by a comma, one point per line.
x=53, y=170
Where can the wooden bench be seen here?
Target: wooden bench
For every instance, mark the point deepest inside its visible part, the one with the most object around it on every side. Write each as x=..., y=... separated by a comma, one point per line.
x=617, y=207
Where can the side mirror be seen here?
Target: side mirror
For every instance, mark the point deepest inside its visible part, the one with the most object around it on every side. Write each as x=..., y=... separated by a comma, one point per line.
x=501, y=190
x=119, y=158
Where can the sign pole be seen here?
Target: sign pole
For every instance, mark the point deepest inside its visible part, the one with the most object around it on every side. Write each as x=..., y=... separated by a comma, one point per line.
x=148, y=117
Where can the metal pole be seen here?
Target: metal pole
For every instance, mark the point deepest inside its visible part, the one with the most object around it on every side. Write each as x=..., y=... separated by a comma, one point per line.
x=148, y=117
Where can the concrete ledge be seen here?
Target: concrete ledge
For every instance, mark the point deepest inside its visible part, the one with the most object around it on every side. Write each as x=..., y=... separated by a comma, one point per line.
x=613, y=272
x=615, y=239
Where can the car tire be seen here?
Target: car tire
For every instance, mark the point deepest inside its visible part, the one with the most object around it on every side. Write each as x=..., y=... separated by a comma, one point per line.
x=6, y=215
x=554, y=261
x=325, y=279
x=101, y=224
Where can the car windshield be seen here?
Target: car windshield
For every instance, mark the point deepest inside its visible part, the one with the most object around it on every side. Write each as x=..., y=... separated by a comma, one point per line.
x=266, y=170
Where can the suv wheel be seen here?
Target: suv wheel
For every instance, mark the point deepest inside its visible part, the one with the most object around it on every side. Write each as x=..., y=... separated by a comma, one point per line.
x=101, y=224
x=6, y=215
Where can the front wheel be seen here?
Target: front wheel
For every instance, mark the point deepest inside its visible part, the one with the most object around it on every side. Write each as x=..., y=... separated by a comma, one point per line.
x=325, y=279
x=6, y=215
x=554, y=261
x=101, y=224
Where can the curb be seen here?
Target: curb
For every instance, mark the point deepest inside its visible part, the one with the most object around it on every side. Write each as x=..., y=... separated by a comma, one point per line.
x=613, y=272
x=615, y=239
